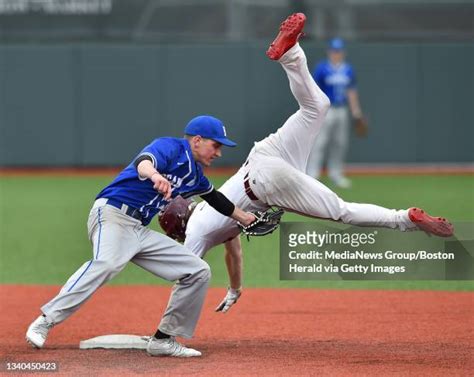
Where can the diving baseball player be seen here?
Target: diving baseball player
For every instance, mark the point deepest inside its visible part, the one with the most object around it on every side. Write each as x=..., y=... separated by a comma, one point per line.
x=117, y=229
x=274, y=174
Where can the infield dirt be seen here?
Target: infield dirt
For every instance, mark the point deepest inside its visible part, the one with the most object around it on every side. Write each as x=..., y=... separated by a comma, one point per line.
x=270, y=332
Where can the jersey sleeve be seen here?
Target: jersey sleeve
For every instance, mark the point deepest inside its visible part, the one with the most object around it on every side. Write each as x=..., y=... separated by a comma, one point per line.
x=205, y=187
x=318, y=74
x=352, y=78
x=161, y=152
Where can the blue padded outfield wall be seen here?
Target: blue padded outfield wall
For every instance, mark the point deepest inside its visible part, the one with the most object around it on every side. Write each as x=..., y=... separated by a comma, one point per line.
x=97, y=104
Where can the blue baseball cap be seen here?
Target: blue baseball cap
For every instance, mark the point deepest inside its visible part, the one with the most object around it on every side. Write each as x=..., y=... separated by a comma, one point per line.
x=210, y=128
x=336, y=44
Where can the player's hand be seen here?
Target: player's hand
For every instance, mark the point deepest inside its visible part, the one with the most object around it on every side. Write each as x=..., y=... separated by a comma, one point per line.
x=248, y=218
x=230, y=299
x=361, y=126
x=245, y=218
x=161, y=184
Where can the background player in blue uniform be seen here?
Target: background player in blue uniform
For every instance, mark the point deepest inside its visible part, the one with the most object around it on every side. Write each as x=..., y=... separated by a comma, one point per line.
x=117, y=229
x=337, y=80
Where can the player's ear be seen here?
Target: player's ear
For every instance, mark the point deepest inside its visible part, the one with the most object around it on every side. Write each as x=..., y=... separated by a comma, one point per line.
x=194, y=141
x=197, y=140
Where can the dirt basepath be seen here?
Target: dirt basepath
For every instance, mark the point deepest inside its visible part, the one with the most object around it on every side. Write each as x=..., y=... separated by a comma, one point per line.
x=269, y=333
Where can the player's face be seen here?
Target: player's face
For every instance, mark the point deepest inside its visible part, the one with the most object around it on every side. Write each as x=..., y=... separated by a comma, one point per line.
x=206, y=150
x=336, y=56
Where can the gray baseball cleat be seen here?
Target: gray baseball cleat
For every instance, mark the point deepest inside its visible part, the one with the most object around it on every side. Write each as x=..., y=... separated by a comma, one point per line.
x=38, y=331
x=169, y=347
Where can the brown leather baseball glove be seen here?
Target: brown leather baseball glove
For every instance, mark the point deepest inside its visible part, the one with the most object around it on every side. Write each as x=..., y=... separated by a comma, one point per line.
x=361, y=126
x=175, y=217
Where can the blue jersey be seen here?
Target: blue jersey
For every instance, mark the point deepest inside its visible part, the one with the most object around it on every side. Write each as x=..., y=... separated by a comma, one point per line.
x=334, y=81
x=174, y=160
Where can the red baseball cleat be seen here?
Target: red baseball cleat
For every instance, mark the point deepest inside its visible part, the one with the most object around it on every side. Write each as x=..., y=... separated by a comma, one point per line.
x=290, y=32
x=434, y=225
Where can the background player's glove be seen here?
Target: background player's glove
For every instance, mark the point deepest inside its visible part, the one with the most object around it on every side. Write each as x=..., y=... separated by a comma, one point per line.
x=230, y=299
x=361, y=126
x=265, y=223
x=175, y=217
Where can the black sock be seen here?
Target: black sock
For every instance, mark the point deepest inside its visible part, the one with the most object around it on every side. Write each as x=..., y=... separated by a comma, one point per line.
x=161, y=335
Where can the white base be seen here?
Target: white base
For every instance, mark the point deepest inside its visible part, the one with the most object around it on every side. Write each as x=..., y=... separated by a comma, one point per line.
x=118, y=341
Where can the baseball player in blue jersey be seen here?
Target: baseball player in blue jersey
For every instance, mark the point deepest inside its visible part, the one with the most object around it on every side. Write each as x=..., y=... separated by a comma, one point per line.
x=164, y=169
x=337, y=80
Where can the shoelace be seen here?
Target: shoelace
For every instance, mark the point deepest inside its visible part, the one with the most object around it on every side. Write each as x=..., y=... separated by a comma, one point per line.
x=176, y=348
x=43, y=328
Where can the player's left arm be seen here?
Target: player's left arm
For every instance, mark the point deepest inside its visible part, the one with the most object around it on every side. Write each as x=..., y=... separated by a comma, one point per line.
x=354, y=103
x=361, y=125
x=223, y=205
x=233, y=260
x=353, y=96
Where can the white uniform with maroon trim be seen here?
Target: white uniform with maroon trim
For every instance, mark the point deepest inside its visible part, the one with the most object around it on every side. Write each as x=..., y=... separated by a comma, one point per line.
x=275, y=173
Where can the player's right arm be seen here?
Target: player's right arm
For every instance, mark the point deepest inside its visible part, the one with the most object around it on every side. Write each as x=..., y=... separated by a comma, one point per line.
x=233, y=260
x=155, y=158
x=146, y=170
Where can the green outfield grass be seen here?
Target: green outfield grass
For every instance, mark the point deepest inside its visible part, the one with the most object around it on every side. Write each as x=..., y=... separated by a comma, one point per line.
x=43, y=237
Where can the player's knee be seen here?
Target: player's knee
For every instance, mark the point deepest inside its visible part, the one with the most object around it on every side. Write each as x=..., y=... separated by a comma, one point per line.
x=325, y=103
x=200, y=273
x=319, y=107
x=204, y=273
x=344, y=214
x=336, y=208
x=109, y=267
x=340, y=143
